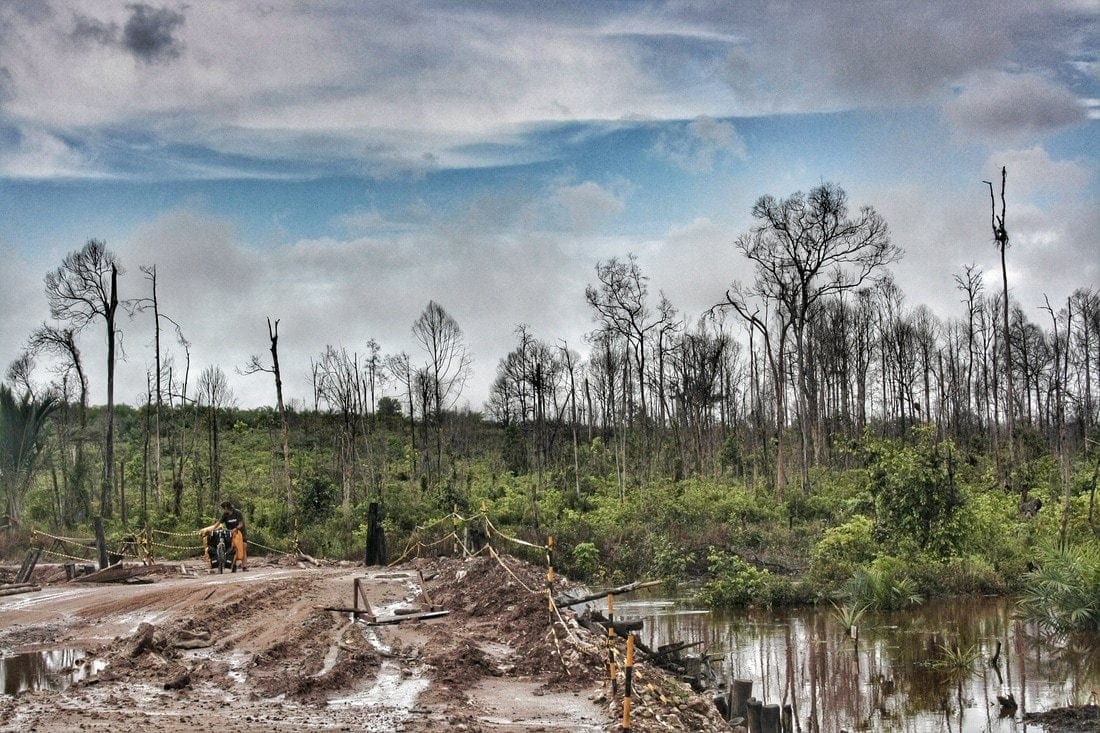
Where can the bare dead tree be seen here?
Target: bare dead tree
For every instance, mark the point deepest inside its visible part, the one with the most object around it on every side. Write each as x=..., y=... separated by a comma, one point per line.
x=805, y=248
x=448, y=365
x=254, y=366
x=339, y=386
x=214, y=395
x=20, y=373
x=1000, y=236
x=760, y=310
x=570, y=359
x=399, y=368
x=81, y=291
x=61, y=342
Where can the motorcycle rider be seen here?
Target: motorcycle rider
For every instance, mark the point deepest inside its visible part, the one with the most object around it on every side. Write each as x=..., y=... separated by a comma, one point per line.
x=233, y=520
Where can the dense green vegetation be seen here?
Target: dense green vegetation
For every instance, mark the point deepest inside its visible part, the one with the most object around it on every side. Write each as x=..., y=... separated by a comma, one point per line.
x=812, y=438
x=902, y=519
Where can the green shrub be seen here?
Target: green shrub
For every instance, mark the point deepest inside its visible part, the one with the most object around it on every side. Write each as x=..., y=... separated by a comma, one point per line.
x=1063, y=594
x=969, y=575
x=733, y=582
x=886, y=586
x=670, y=562
x=841, y=551
x=585, y=561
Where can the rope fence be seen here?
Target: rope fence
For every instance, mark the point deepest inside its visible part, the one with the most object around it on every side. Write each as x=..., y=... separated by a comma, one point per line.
x=452, y=530
x=146, y=545
x=149, y=543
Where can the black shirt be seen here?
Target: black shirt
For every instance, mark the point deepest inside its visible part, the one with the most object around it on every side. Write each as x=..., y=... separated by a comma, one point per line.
x=233, y=519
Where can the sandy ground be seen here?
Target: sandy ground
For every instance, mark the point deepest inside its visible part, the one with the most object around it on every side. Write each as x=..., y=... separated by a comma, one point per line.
x=195, y=651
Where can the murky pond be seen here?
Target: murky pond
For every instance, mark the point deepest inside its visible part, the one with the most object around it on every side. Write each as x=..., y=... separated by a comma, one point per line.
x=54, y=669
x=935, y=668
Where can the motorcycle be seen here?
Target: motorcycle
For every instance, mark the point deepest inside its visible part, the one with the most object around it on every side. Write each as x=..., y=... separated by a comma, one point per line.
x=221, y=549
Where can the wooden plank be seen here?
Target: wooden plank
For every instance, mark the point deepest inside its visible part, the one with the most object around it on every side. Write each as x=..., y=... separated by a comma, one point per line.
x=12, y=591
x=358, y=594
x=29, y=561
x=424, y=591
x=116, y=573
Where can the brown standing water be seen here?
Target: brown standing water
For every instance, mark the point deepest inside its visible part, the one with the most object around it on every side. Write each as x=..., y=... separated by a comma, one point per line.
x=895, y=675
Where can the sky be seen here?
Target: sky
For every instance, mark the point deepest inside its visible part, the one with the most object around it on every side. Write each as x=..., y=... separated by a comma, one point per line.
x=336, y=165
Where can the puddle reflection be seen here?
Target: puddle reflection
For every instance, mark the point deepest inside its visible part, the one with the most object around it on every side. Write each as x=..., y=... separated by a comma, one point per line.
x=53, y=669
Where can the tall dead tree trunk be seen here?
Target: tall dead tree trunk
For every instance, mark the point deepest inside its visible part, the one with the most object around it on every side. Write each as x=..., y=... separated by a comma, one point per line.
x=254, y=365
x=1000, y=236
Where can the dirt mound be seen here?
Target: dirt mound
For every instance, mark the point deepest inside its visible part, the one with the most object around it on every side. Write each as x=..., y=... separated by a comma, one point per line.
x=503, y=601
x=276, y=649
x=502, y=605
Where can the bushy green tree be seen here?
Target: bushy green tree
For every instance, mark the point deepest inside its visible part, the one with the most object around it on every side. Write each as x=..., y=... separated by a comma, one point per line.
x=733, y=582
x=841, y=551
x=917, y=498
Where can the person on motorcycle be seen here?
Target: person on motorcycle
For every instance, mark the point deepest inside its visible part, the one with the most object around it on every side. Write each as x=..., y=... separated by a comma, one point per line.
x=233, y=520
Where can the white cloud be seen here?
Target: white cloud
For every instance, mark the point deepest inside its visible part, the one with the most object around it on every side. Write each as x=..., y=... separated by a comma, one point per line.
x=407, y=88
x=588, y=204
x=329, y=291
x=37, y=154
x=1031, y=170
x=697, y=146
x=694, y=264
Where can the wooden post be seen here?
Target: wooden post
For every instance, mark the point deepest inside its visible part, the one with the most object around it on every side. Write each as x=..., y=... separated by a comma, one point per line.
x=357, y=594
x=754, y=710
x=612, y=673
x=29, y=561
x=769, y=719
x=149, y=557
x=740, y=692
x=629, y=686
x=100, y=543
x=550, y=579
x=454, y=522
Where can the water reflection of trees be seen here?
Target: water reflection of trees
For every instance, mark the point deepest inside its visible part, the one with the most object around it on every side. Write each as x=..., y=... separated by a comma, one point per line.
x=903, y=672
x=38, y=670
x=1074, y=658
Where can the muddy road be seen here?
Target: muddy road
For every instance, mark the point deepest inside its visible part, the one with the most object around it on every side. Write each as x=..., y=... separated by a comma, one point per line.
x=264, y=651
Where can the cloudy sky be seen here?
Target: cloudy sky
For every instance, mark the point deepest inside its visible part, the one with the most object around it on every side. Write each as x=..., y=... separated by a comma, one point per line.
x=336, y=165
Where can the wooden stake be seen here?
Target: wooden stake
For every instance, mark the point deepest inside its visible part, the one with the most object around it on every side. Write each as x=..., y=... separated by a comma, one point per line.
x=629, y=688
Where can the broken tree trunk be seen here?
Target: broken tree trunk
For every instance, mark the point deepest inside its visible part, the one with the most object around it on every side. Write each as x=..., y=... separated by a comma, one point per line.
x=565, y=600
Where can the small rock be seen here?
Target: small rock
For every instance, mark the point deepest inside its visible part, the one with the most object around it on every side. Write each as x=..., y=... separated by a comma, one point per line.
x=179, y=682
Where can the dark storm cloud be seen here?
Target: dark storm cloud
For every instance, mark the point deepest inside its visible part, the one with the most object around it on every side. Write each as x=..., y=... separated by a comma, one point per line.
x=148, y=32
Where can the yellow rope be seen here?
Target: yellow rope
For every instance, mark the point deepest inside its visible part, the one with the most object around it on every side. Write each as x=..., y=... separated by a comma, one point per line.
x=85, y=542
x=171, y=534
x=68, y=557
x=494, y=555
x=516, y=540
